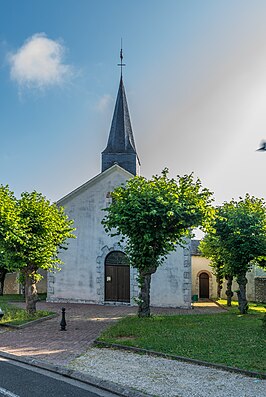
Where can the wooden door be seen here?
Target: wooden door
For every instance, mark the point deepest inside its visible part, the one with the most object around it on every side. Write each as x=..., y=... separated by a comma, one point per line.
x=117, y=278
x=204, y=285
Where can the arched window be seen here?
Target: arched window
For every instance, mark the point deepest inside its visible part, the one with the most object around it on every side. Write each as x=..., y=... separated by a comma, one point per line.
x=116, y=258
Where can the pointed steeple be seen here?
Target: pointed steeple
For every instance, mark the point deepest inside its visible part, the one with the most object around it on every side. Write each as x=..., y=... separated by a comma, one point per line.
x=121, y=147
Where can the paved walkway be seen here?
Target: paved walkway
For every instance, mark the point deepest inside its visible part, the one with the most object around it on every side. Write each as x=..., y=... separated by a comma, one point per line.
x=45, y=341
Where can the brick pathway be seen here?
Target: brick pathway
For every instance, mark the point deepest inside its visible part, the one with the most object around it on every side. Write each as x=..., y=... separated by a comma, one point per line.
x=45, y=341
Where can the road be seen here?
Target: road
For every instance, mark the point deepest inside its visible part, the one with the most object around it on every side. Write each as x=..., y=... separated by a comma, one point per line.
x=21, y=380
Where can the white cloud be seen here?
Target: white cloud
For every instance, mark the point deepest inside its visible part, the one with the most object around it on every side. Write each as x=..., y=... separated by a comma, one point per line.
x=104, y=103
x=39, y=63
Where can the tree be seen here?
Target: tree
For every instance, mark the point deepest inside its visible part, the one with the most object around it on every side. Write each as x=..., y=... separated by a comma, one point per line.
x=240, y=233
x=153, y=216
x=33, y=231
x=3, y=267
x=8, y=229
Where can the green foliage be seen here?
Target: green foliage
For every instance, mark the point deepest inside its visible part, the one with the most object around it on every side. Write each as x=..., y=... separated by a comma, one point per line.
x=154, y=215
x=32, y=231
x=241, y=227
x=237, y=240
x=238, y=237
x=264, y=322
x=10, y=230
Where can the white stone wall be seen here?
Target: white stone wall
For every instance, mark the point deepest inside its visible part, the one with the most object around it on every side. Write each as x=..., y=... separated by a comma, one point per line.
x=171, y=284
x=81, y=278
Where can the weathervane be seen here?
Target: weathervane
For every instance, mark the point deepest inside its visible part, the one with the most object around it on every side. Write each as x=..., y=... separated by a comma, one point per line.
x=121, y=64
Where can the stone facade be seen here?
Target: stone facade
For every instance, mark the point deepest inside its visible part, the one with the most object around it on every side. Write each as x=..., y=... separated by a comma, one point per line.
x=82, y=277
x=260, y=289
x=201, y=265
x=12, y=286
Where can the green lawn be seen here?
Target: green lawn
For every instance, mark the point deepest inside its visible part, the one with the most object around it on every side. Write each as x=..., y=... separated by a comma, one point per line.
x=18, y=297
x=254, y=308
x=224, y=338
x=16, y=316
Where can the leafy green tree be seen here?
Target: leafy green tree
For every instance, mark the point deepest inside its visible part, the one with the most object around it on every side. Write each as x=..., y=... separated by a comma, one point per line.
x=4, y=266
x=153, y=216
x=32, y=231
x=240, y=232
x=8, y=230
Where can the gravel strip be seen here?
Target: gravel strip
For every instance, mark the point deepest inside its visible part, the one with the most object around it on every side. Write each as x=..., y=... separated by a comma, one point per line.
x=162, y=377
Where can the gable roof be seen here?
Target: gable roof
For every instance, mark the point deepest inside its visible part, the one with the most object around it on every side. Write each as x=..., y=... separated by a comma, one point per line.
x=91, y=182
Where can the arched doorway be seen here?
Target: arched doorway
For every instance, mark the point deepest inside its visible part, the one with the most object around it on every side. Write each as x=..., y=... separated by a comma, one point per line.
x=117, y=277
x=204, y=285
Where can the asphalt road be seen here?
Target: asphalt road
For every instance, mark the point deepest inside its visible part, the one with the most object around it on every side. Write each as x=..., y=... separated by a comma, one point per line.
x=21, y=380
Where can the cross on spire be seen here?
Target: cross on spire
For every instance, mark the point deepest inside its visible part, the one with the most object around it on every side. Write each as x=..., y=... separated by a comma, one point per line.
x=121, y=64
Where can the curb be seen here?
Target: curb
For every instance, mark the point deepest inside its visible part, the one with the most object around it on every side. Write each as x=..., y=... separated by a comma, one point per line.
x=138, y=350
x=38, y=320
x=114, y=388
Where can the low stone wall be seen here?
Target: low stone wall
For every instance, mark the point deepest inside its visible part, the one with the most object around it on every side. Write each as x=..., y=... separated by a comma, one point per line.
x=12, y=286
x=260, y=289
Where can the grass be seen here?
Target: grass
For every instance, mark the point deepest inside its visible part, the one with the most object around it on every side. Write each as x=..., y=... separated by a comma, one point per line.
x=225, y=338
x=16, y=316
x=253, y=307
x=18, y=297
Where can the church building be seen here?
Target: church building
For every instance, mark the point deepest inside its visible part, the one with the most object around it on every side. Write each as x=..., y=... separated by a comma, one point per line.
x=95, y=267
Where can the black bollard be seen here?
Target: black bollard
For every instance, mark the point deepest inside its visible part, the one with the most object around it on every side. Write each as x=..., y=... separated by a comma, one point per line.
x=63, y=321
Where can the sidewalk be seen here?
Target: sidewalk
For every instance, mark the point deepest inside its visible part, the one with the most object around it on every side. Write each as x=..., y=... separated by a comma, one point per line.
x=45, y=341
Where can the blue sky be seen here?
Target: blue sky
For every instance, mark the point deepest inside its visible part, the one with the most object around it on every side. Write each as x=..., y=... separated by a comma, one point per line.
x=195, y=79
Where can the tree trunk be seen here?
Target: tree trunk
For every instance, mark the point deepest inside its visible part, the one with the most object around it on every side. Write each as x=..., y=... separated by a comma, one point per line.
x=31, y=295
x=229, y=292
x=241, y=293
x=219, y=281
x=144, y=295
x=3, y=273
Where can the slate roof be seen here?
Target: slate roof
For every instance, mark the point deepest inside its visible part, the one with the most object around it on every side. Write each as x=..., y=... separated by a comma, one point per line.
x=121, y=138
x=195, y=247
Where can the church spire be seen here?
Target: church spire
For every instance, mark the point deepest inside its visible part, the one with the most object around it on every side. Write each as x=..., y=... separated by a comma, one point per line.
x=121, y=147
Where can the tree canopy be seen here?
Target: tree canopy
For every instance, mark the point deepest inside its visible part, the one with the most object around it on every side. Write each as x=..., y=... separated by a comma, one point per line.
x=154, y=215
x=238, y=239
x=32, y=232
